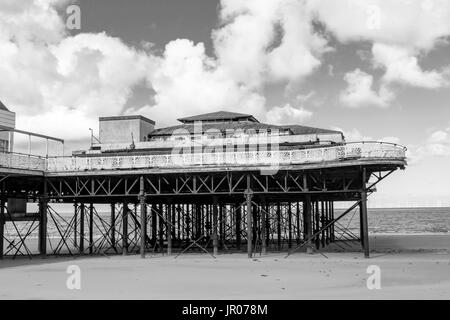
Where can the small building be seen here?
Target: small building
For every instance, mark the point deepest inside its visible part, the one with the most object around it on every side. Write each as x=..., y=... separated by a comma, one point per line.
x=124, y=129
x=212, y=131
x=7, y=123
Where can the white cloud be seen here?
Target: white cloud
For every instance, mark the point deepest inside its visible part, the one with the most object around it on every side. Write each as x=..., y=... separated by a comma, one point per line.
x=187, y=81
x=437, y=144
x=70, y=124
x=56, y=83
x=83, y=75
x=48, y=74
x=31, y=20
x=440, y=136
x=288, y=115
x=407, y=23
x=359, y=92
x=353, y=135
x=402, y=66
x=400, y=31
x=270, y=40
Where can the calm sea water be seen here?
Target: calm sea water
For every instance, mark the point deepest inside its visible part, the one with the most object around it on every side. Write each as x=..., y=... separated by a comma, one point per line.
x=381, y=221
x=402, y=220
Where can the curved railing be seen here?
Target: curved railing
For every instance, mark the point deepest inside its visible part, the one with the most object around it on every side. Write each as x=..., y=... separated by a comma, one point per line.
x=350, y=151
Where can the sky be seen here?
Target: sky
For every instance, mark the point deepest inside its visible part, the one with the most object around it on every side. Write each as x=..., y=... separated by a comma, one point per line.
x=377, y=70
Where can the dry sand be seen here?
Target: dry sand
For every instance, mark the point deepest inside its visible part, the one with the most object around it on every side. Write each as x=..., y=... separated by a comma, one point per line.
x=411, y=267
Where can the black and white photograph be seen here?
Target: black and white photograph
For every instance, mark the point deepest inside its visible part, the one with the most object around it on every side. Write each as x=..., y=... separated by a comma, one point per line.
x=224, y=155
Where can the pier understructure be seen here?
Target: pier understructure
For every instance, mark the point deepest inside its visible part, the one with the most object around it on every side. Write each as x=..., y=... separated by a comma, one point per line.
x=161, y=205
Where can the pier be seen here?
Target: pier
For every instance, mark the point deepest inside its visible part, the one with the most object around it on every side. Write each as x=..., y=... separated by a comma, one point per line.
x=145, y=202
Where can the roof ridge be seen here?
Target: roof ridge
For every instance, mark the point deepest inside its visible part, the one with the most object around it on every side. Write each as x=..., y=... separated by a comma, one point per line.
x=221, y=114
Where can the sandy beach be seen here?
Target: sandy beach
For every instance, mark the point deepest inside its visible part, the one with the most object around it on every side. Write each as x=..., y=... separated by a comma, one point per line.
x=412, y=267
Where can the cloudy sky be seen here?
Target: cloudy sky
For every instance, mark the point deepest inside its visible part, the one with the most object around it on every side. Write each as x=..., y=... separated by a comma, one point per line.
x=377, y=70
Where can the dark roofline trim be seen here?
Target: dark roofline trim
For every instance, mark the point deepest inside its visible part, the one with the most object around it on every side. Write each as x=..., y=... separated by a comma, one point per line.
x=169, y=131
x=314, y=130
x=217, y=116
x=237, y=119
x=3, y=107
x=132, y=117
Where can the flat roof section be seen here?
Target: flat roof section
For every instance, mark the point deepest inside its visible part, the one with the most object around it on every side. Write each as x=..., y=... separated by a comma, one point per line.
x=131, y=117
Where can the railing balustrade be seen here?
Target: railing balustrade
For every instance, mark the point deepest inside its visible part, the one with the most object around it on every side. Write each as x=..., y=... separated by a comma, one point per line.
x=360, y=150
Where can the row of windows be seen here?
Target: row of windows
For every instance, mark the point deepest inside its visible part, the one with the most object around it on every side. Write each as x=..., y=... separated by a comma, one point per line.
x=216, y=136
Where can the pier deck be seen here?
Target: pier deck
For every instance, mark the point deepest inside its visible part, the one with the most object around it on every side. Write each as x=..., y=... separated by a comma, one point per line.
x=260, y=200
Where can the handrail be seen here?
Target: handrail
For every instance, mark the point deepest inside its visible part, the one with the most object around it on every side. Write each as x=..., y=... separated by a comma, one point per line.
x=379, y=142
x=350, y=151
x=23, y=161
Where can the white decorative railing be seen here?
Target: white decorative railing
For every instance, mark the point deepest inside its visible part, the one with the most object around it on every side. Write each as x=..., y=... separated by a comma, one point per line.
x=22, y=161
x=363, y=150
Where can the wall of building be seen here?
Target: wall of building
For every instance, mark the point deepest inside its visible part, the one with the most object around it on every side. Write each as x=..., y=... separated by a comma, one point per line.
x=145, y=129
x=7, y=121
x=124, y=130
x=244, y=140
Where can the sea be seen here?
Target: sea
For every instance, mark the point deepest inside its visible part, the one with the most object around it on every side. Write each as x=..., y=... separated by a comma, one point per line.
x=434, y=220
x=381, y=221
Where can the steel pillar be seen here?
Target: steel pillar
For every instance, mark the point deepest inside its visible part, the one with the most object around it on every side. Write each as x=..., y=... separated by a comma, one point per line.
x=237, y=208
x=2, y=225
x=143, y=211
x=307, y=218
x=160, y=226
x=168, y=227
x=278, y=226
x=263, y=226
x=248, y=197
x=75, y=223
x=82, y=207
x=214, y=226
x=43, y=203
x=363, y=216
x=289, y=226
x=91, y=228
x=113, y=226
x=125, y=228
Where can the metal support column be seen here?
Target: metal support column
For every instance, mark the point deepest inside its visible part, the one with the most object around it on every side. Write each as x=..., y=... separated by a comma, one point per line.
x=248, y=197
x=113, y=226
x=214, y=226
x=289, y=212
x=307, y=218
x=154, y=223
x=43, y=222
x=263, y=226
x=2, y=225
x=125, y=228
x=143, y=211
x=75, y=224
x=237, y=209
x=91, y=228
x=278, y=226
x=363, y=211
x=168, y=227
x=82, y=228
x=221, y=226
x=161, y=226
